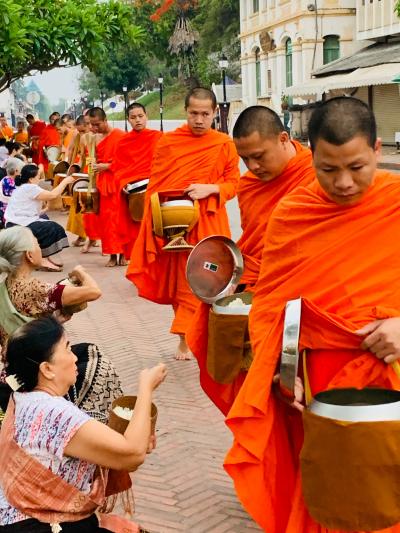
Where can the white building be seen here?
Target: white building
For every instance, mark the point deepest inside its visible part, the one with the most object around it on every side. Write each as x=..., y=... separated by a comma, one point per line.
x=369, y=74
x=284, y=41
x=7, y=104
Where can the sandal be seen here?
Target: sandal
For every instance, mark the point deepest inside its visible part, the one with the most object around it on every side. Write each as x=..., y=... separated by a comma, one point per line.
x=49, y=269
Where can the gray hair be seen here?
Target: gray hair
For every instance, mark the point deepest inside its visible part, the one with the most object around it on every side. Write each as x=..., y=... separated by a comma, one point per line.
x=14, y=242
x=13, y=165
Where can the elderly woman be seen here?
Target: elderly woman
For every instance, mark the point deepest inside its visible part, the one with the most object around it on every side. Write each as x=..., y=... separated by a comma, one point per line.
x=52, y=449
x=25, y=209
x=7, y=184
x=24, y=297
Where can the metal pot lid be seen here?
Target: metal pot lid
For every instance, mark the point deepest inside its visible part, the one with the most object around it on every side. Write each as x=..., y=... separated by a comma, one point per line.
x=80, y=175
x=358, y=405
x=61, y=167
x=214, y=268
x=133, y=187
x=79, y=183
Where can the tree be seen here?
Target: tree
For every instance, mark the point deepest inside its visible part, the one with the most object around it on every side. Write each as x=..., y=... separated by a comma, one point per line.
x=39, y=35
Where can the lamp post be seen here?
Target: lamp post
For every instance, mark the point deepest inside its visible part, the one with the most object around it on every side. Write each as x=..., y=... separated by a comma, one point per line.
x=125, y=91
x=74, y=106
x=160, y=83
x=102, y=96
x=224, y=107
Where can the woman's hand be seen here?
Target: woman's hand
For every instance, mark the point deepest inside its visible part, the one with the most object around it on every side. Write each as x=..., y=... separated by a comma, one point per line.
x=152, y=444
x=298, y=393
x=154, y=376
x=61, y=317
x=382, y=338
x=78, y=273
x=199, y=191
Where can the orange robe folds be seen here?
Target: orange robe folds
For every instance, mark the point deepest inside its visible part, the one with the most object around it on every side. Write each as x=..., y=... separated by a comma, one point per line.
x=21, y=137
x=182, y=159
x=34, y=133
x=257, y=199
x=345, y=262
x=48, y=137
x=131, y=163
x=107, y=185
x=6, y=132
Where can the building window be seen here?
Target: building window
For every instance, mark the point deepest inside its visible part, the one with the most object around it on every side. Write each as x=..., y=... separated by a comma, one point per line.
x=289, y=63
x=256, y=6
x=258, y=72
x=331, y=48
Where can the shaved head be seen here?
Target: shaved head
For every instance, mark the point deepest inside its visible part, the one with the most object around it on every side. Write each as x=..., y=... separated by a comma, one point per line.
x=200, y=93
x=339, y=120
x=258, y=119
x=97, y=112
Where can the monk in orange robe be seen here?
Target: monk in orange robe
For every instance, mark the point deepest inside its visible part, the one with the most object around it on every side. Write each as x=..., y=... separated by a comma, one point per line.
x=107, y=185
x=276, y=165
x=202, y=164
x=335, y=243
x=35, y=128
x=6, y=131
x=50, y=136
x=131, y=163
x=21, y=136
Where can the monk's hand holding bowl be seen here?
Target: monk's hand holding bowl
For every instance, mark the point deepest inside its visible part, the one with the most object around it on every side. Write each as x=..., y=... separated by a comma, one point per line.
x=100, y=167
x=199, y=191
x=382, y=338
x=296, y=403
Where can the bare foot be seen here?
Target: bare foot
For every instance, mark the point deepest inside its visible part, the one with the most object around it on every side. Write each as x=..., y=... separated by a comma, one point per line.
x=48, y=266
x=86, y=247
x=113, y=261
x=182, y=352
x=56, y=263
x=122, y=261
x=80, y=241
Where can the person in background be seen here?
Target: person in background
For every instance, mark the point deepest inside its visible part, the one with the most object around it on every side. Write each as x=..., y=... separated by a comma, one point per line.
x=7, y=184
x=6, y=131
x=35, y=128
x=21, y=135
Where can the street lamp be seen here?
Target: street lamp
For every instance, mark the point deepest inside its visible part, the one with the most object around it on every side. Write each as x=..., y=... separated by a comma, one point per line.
x=224, y=107
x=125, y=91
x=74, y=106
x=161, y=82
x=102, y=97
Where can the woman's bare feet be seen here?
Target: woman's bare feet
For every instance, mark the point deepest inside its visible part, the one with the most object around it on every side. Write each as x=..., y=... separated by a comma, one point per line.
x=53, y=261
x=79, y=241
x=182, y=352
x=48, y=266
x=88, y=244
x=113, y=261
x=122, y=261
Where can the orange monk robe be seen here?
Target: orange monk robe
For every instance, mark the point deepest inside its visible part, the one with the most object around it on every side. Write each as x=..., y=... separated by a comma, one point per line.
x=75, y=220
x=48, y=137
x=107, y=185
x=6, y=132
x=67, y=139
x=257, y=199
x=132, y=162
x=21, y=137
x=182, y=159
x=345, y=261
x=34, y=133
x=91, y=224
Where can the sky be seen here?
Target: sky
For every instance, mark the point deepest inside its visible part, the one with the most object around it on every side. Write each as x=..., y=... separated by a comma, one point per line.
x=58, y=83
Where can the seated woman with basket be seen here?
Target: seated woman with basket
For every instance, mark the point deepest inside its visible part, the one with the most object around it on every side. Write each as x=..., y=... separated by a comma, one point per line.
x=55, y=452
x=25, y=209
x=24, y=298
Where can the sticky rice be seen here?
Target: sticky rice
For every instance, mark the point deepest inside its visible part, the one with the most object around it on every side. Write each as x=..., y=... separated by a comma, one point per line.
x=237, y=302
x=123, y=412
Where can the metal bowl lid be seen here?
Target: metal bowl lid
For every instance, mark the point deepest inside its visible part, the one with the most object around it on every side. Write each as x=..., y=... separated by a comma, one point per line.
x=133, y=187
x=61, y=167
x=358, y=405
x=214, y=268
x=228, y=305
x=80, y=175
x=79, y=183
x=176, y=203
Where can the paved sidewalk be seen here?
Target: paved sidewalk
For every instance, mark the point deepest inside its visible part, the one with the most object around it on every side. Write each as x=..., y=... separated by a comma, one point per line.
x=182, y=485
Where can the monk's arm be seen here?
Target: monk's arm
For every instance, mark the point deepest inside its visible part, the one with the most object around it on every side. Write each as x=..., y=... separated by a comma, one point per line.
x=229, y=180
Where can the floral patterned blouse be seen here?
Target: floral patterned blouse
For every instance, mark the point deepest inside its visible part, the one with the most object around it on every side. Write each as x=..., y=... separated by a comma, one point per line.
x=7, y=185
x=32, y=297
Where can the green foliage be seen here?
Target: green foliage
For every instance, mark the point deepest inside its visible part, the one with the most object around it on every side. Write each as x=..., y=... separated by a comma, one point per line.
x=218, y=24
x=44, y=34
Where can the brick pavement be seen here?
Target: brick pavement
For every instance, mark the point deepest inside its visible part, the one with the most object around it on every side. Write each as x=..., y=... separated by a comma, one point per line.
x=182, y=485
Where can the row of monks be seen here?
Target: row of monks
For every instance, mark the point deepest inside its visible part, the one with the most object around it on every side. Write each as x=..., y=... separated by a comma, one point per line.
x=320, y=223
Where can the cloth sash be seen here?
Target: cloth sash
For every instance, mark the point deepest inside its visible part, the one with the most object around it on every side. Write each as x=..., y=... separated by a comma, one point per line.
x=35, y=491
x=10, y=318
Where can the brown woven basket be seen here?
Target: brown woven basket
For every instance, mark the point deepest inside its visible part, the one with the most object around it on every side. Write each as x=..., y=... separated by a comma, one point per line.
x=120, y=424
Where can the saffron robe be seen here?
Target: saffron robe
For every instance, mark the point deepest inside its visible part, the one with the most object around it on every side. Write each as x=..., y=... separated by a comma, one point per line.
x=131, y=163
x=34, y=133
x=48, y=137
x=182, y=159
x=257, y=199
x=6, y=132
x=21, y=137
x=107, y=185
x=91, y=222
x=345, y=262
